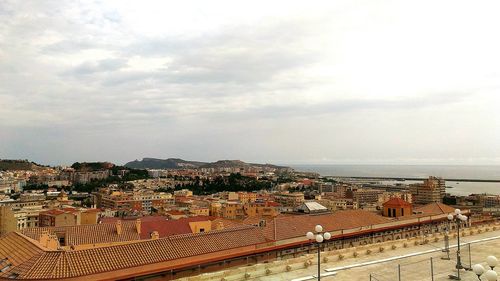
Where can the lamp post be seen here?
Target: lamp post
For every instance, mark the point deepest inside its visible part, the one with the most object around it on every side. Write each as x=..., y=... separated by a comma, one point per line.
x=458, y=218
x=319, y=236
x=489, y=274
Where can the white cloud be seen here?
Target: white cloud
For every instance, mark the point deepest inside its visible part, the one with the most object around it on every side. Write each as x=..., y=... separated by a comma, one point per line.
x=267, y=81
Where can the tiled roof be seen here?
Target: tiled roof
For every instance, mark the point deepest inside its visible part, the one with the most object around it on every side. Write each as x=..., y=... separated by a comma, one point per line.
x=31, y=262
x=168, y=227
x=435, y=209
x=297, y=226
x=396, y=202
x=17, y=249
x=89, y=234
x=226, y=223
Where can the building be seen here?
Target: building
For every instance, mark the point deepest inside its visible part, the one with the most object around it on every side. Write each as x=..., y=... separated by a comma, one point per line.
x=431, y=190
x=59, y=217
x=247, y=197
x=312, y=208
x=386, y=196
x=117, y=250
x=289, y=199
x=140, y=201
x=364, y=197
x=8, y=222
x=397, y=207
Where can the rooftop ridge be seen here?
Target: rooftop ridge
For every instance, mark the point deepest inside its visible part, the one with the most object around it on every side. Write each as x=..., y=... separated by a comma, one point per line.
x=34, y=242
x=212, y=232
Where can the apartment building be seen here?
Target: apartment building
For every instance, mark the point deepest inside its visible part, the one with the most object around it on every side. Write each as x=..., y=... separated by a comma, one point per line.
x=431, y=190
x=289, y=199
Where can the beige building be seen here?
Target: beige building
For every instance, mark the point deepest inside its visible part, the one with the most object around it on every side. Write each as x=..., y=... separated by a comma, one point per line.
x=432, y=190
x=386, y=196
x=60, y=217
x=289, y=199
x=8, y=222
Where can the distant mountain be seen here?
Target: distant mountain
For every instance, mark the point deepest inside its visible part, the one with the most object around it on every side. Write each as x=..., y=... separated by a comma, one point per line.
x=170, y=163
x=175, y=163
x=17, y=165
x=92, y=166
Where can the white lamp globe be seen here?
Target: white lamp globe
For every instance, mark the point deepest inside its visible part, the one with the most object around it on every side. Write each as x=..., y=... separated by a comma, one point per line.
x=318, y=228
x=310, y=235
x=327, y=236
x=450, y=217
x=491, y=275
x=492, y=261
x=478, y=269
x=463, y=218
x=319, y=238
x=457, y=211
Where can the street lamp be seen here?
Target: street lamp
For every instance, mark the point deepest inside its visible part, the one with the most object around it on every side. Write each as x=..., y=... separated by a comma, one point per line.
x=458, y=218
x=489, y=274
x=319, y=236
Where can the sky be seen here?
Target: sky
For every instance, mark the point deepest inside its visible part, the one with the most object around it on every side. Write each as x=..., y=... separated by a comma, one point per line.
x=287, y=82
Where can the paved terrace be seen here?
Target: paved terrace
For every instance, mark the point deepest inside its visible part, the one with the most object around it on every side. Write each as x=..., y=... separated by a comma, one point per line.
x=415, y=265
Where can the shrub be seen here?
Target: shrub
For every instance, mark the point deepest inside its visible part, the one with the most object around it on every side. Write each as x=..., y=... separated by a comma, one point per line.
x=325, y=259
x=368, y=251
x=288, y=268
x=436, y=239
x=341, y=257
x=355, y=254
x=247, y=275
x=268, y=271
x=393, y=247
x=381, y=249
x=405, y=245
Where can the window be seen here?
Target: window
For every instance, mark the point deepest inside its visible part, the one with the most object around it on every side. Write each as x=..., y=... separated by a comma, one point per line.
x=202, y=230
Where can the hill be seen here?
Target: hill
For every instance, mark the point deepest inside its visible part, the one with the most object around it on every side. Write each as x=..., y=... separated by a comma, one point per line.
x=170, y=163
x=176, y=163
x=92, y=166
x=17, y=165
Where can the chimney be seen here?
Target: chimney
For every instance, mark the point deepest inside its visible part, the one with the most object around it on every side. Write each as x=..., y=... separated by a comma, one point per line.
x=138, y=225
x=219, y=225
x=119, y=227
x=44, y=238
x=155, y=235
x=49, y=241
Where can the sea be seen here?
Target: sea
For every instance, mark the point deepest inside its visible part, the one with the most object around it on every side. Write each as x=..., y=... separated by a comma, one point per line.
x=479, y=172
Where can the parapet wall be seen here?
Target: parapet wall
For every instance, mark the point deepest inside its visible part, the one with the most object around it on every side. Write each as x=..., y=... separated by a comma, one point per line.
x=280, y=266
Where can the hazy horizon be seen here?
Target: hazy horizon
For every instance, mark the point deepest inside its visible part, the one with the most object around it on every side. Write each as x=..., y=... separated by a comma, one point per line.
x=338, y=82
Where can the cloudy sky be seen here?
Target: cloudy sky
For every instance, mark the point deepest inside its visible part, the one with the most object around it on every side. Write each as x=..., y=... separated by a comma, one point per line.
x=410, y=82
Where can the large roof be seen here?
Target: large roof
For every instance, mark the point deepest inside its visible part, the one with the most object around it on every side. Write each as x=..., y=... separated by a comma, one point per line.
x=435, y=209
x=106, y=232
x=30, y=261
x=287, y=227
x=396, y=202
x=89, y=234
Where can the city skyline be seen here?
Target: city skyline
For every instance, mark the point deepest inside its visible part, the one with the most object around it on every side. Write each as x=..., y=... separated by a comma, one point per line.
x=334, y=83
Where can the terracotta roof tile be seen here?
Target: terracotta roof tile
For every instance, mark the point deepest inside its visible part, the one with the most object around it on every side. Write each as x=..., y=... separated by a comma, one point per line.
x=395, y=201
x=42, y=264
x=89, y=234
x=435, y=209
x=296, y=226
